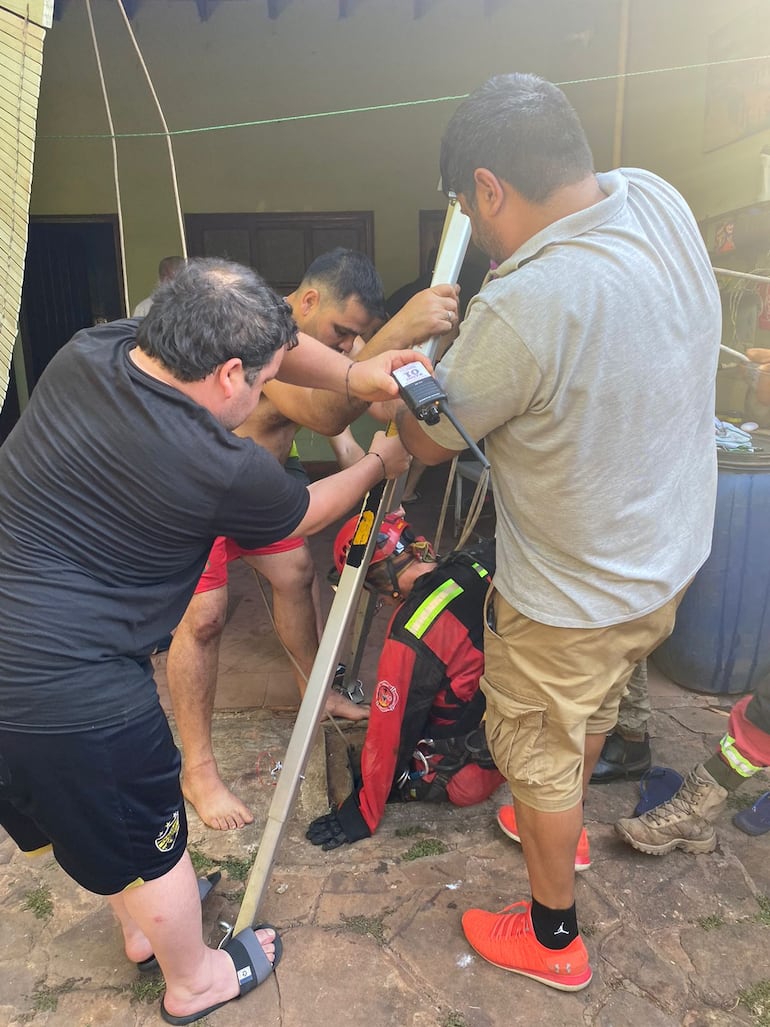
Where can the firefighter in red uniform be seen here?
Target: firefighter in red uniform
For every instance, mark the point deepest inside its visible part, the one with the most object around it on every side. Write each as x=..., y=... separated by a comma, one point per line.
x=425, y=739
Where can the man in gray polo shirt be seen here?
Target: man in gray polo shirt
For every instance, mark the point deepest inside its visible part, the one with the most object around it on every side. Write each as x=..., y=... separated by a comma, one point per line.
x=587, y=363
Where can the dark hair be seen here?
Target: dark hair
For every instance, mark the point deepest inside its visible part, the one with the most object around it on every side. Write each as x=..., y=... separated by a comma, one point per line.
x=524, y=130
x=344, y=273
x=168, y=267
x=211, y=311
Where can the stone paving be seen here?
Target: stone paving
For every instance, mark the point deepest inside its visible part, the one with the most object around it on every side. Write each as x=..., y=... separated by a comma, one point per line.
x=372, y=931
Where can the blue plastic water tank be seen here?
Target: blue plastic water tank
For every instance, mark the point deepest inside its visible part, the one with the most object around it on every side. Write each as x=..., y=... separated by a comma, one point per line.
x=721, y=641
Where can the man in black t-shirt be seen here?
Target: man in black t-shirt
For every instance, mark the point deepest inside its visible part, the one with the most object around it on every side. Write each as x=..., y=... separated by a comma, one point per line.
x=113, y=485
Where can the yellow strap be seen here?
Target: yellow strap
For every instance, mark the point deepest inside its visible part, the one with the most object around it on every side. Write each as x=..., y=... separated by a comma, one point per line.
x=431, y=607
x=736, y=759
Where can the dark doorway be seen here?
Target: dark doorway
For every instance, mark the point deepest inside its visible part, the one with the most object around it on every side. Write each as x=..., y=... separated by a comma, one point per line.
x=71, y=280
x=279, y=246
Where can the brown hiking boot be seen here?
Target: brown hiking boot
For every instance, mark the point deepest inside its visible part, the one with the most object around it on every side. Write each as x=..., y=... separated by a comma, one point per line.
x=684, y=822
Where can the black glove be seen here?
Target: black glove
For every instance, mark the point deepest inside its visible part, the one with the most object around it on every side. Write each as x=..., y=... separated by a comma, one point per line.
x=327, y=831
x=344, y=824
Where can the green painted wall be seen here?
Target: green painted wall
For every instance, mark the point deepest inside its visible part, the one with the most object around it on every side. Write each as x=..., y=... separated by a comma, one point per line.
x=242, y=66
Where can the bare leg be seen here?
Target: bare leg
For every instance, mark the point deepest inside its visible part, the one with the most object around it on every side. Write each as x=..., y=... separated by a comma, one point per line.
x=135, y=941
x=192, y=681
x=167, y=914
x=292, y=576
x=416, y=469
x=315, y=590
x=549, y=841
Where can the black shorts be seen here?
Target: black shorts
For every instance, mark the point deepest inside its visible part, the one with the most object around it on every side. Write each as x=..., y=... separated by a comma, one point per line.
x=107, y=800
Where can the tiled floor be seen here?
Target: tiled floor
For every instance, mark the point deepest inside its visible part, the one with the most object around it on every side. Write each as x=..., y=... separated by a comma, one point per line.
x=254, y=671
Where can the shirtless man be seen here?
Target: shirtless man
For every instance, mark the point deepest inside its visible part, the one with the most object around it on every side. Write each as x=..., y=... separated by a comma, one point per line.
x=339, y=299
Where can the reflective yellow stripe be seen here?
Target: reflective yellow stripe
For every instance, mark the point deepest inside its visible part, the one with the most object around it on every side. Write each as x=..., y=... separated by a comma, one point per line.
x=431, y=607
x=481, y=571
x=293, y=452
x=736, y=759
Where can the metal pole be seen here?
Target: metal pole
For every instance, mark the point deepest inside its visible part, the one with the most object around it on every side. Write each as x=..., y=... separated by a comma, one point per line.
x=311, y=710
x=454, y=242
x=741, y=274
x=455, y=236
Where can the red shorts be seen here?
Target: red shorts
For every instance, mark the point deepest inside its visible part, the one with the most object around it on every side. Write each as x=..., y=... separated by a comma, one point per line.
x=226, y=549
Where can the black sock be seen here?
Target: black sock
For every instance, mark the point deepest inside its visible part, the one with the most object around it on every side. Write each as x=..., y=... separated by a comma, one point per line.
x=554, y=928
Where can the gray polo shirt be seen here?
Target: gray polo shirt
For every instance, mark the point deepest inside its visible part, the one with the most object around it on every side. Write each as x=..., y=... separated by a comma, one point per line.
x=587, y=362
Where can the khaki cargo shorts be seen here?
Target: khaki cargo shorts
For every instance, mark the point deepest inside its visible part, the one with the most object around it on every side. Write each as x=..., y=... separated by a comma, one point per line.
x=548, y=687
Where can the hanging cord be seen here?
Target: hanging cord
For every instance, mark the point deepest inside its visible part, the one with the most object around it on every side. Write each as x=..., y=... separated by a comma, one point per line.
x=474, y=510
x=166, y=133
x=291, y=656
x=114, y=156
x=445, y=505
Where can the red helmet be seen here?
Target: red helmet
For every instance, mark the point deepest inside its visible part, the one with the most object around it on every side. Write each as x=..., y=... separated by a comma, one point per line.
x=388, y=539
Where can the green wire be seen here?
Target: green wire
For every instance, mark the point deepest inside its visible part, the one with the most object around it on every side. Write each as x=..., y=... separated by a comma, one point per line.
x=389, y=106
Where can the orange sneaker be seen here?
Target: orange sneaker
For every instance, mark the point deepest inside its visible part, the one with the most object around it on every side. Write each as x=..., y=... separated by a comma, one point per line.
x=507, y=939
x=506, y=818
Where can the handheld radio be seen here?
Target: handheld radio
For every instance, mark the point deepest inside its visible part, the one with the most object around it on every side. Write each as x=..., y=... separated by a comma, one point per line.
x=427, y=401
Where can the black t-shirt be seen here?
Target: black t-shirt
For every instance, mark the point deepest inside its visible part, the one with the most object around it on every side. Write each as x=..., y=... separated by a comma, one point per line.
x=113, y=487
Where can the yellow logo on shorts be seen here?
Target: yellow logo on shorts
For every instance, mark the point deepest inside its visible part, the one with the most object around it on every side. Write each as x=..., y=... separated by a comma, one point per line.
x=167, y=838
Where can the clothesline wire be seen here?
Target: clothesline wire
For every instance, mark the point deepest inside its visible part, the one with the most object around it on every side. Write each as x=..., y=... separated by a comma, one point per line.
x=285, y=119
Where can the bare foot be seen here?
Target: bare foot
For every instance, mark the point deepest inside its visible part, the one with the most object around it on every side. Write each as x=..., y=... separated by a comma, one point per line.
x=223, y=979
x=339, y=705
x=214, y=803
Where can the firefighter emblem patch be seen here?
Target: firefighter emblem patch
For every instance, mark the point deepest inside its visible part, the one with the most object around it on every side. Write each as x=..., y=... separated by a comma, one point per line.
x=385, y=697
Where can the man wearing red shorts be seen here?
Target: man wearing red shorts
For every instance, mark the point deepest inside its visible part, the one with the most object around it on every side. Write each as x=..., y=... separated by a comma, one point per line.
x=339, y=299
